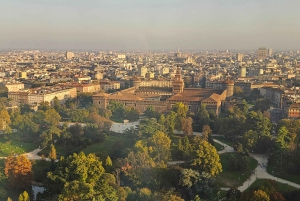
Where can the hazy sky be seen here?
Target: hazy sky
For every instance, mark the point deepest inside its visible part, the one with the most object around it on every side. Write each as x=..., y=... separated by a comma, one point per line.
x=149, y=24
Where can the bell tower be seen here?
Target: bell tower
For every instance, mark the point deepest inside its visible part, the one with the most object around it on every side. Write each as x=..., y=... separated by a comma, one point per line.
x=178, y=84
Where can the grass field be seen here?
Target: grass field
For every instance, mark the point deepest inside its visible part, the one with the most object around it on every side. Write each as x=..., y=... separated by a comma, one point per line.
x=280, y=187
x=218, y=146
x=224, y=140
x=11, y=147
x=229, y=178
x=103, y=147
x=283, y=175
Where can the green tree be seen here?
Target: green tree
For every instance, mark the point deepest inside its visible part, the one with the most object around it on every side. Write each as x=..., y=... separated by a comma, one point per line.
x=189, y=178
x=170, y=122
x=139, y=168
x=25, y=108
x=56, y=104
x=203, y=116
x=149, y=127
x=180, y=109
x=283, y=139
x=150, y=112
x=79, y=115
x=25, y=124
x=52, y=117
x=48, y=135
x=233, y=194
x=24, y=196
x=79, y=177
x=160, y=147
x=39, y=117
x=44, y=106
x=206, y=159
x=132, y=114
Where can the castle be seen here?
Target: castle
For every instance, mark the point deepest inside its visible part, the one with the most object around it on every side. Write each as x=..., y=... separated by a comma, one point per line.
x=162, y=95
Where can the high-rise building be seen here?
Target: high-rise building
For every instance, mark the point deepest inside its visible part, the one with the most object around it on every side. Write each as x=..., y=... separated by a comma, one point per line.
x=142, y=70
x=243, y=71
x=70, y=55
x=239, y=57
x=262, y=53
x=270, y=52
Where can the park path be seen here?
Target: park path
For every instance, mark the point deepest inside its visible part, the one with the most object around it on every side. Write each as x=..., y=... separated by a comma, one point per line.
x=259, y=172
x=33, y=155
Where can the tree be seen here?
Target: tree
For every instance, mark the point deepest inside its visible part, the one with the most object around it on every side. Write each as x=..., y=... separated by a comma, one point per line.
x=170, y=122
x=206, y=159
x=233, y=194
x=102, y=123
x=259, y=195
x=238, y=91
x=18, y=171
x=132, y=114
x=149, y=127
x=47, y=135
x=203, y=116
x=79, y=115
x=52, y=117
x=24, y=196
x=5, y=118
x=189, y=178
x=283, y=139
x=186, y=125
x=79, y=177
x=160, y=147
x=56, y=104
x=150, y=112
x=108, y=161
x=52, y=153
x=25, y=124
x=139, y=168
x=117, y=109
x=44, y=106
x=206, y=132
x=39, y=117
x=180, y=109
x=25, y=108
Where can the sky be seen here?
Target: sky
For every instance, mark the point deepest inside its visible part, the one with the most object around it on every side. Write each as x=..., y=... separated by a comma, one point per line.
x=149, y=24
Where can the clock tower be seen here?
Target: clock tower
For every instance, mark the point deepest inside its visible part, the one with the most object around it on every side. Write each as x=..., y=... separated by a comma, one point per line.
x=178, y=84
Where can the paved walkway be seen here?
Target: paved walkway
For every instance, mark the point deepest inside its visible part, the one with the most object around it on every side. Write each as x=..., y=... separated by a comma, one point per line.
x=260, y=172
x=120, y=127
x=33, y=155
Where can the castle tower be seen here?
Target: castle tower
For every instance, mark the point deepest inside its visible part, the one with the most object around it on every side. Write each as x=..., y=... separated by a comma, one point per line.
x=229, y=86
x=178, y=83
x=135, y=82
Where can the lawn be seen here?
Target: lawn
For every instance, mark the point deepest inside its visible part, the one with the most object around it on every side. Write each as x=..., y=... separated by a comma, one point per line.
x=280, y=187
x=103, y=147
x=283, y=175
x=224, y=140
x=229, y=178
x=11, y=147
x=218, y=146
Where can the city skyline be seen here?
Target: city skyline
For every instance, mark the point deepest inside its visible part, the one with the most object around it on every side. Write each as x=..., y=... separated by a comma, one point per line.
x=157, y=25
